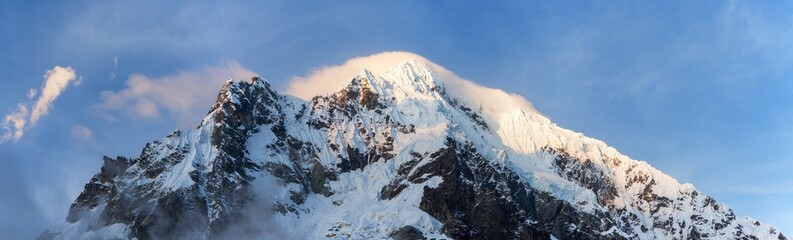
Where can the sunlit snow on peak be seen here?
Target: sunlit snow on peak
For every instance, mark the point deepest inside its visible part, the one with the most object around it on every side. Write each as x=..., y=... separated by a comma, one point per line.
x=329, y=79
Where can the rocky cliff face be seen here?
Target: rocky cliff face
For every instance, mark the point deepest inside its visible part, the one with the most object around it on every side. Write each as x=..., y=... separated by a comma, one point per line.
x=393, y=155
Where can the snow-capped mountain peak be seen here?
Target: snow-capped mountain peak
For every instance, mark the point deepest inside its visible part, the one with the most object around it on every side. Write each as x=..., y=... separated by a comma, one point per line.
x=392, y=154
x=409, y=80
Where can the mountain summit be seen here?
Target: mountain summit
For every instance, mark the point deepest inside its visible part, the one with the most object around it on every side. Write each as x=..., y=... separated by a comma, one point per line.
x=390, y=155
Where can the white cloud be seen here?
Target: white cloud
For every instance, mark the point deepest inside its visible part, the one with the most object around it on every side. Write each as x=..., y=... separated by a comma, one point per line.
x=55, y=82
x=186, y=95
x=14, y=124
x=81, y=132
x=331, y=78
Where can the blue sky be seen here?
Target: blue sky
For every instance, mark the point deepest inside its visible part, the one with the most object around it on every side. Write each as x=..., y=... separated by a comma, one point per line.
x=702, y=91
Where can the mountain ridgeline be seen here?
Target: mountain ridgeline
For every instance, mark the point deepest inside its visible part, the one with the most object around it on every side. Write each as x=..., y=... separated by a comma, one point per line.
x=392, y=155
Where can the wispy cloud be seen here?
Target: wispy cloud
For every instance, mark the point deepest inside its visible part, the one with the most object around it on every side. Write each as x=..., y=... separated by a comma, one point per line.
x=115, y=67
x=55, y=82
x=755, y=31
x=32, y=93
x=185, y=96
x=81, y=132
x=14, y=123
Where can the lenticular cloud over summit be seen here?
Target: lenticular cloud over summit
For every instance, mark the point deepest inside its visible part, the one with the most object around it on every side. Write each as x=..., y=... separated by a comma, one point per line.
x=328, y=79
x=388, y=146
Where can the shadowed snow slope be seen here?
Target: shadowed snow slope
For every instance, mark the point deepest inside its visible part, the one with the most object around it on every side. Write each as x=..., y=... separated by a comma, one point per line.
x=399, y=152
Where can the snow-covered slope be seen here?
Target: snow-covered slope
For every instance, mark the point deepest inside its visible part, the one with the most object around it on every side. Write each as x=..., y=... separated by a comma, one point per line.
x=392, y=155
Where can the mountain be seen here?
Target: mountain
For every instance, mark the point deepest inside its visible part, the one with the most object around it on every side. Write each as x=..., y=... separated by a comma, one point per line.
x=390, y=155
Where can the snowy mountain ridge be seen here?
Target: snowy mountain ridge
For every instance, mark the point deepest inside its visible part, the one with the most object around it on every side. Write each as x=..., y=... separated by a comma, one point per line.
x=391, y=155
